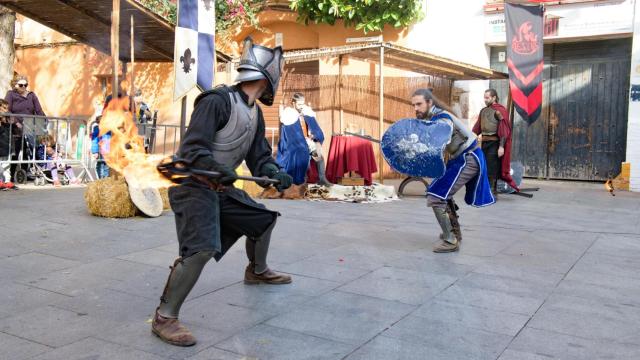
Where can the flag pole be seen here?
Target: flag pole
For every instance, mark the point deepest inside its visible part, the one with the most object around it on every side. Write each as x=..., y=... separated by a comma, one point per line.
x=183, y=117
x=132, y=87
x=115, y=46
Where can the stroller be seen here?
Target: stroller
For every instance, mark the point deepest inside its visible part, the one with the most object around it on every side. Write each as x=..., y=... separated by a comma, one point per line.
x=37, y=171
x=27, y=169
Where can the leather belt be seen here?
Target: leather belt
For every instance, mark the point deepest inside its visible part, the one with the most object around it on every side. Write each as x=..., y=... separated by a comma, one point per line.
x=490, y=138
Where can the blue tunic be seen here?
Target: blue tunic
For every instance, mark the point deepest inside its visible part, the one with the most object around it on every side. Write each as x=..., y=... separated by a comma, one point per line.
x=293, y=151
x=478, y=191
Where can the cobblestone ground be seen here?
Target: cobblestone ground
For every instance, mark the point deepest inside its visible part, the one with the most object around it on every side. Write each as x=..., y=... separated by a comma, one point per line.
x=553, y=277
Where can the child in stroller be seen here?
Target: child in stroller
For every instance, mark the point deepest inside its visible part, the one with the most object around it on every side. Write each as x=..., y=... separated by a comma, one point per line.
x=54, y=165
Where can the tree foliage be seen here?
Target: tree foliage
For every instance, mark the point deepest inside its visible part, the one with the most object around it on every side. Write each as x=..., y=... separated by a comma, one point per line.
x=229, y=13
x=366, y=15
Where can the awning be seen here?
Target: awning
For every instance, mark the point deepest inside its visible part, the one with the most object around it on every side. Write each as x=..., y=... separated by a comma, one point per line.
x=89, y=22
x=402, y=58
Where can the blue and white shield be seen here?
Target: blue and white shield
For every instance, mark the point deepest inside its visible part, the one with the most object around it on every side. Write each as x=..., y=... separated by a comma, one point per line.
x=415, y=147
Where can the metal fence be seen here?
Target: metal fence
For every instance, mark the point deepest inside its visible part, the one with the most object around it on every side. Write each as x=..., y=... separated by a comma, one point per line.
x=71, y=145
x=29, y=158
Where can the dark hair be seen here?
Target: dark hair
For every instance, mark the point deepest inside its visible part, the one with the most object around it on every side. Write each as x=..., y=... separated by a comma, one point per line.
x=4, y=102
x=493, y=93
x=298, y=96
x=427, y=94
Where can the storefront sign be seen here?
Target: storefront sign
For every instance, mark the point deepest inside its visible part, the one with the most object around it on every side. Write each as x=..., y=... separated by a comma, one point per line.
x=572, y=21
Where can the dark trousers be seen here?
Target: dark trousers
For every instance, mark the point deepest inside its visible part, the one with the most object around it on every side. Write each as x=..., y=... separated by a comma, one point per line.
x=494, y=165
x=213, y=221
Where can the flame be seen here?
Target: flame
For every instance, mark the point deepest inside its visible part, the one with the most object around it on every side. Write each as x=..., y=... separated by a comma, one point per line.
x=126, y=150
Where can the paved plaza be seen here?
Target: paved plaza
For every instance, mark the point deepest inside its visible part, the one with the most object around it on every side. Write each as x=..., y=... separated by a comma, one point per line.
x=553, y=277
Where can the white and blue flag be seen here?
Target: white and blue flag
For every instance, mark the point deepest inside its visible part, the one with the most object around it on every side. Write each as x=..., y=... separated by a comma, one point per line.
x=194, y=51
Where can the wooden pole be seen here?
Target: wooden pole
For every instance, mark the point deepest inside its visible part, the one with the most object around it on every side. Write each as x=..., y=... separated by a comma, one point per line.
x=183, y=117
x=381, y=125
x=132, y=87
x=115, y=46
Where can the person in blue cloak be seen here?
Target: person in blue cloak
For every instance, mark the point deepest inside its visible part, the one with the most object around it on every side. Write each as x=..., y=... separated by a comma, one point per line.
x=466, y=167
x=300, y=142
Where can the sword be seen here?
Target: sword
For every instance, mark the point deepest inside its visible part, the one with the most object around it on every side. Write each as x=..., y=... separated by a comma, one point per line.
x=366, y=137
x=176, y=171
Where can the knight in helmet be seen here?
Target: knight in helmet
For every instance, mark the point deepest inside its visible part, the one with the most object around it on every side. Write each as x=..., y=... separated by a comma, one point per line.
x=465, y=166
x=227, y=127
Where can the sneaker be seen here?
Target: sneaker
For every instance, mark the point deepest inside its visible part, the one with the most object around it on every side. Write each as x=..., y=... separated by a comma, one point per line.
x=57, y=183
x=171, y=331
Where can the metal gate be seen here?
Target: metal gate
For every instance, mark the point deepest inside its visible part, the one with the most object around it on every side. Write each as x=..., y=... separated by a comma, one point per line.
x=581, y=133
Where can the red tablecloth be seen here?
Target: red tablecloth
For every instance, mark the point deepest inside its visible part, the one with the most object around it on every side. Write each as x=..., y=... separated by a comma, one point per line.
x=350, y=153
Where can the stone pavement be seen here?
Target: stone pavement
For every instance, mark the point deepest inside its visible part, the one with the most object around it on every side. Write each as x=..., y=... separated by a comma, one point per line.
x=553, y=277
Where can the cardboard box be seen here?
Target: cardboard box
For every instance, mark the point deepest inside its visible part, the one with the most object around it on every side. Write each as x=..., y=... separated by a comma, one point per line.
x=351, y=181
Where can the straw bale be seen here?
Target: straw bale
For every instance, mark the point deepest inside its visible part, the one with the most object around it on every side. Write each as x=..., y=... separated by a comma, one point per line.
x=270, y=193
x=109, y=197
x=164, y=192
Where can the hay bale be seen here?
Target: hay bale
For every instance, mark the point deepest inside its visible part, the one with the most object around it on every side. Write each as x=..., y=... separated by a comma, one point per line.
x=270, y=193
x=254, y=190
x=109, y=197
x=164, y=192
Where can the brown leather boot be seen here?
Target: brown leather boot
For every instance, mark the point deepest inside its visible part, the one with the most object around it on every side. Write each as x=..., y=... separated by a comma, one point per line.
x=445, y=247
x=268, y=277
x=172, y=331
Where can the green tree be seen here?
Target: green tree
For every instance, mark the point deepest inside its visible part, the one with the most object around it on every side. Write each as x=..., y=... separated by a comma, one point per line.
x=229, y=13
x=365, y=15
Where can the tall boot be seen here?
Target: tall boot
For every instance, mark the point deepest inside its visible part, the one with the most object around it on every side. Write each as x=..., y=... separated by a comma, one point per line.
x=493, y=182
x=452, y=211
x=448, y=243
x=258, y=272
x=322, y=179
x=183, y=276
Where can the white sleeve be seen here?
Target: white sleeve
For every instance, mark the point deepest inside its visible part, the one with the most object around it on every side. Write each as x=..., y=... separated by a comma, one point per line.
x=289, y=116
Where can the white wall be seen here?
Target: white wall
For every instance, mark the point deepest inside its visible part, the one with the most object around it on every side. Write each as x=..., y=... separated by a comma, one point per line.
x=454, y=29
x=633, y=126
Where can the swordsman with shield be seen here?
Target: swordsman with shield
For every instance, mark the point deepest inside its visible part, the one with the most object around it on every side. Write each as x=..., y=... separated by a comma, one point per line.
x=466, y=166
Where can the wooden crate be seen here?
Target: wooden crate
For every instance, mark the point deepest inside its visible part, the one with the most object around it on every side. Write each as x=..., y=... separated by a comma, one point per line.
x=351, y=181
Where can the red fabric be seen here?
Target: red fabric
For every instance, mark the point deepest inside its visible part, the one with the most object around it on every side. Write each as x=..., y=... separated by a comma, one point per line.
x=312, y=173
x=504, y=131
x=350, y=153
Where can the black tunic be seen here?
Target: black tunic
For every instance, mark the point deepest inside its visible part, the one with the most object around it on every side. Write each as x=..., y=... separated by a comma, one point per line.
x=210, y=220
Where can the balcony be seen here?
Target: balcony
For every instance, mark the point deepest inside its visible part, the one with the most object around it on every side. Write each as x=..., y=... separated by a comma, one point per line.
x=494, y=6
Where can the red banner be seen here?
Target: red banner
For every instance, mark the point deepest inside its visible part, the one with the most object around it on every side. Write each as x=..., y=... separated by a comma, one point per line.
x=525, y=29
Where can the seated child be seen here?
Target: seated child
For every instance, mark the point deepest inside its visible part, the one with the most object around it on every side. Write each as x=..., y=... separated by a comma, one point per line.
x=57, y=164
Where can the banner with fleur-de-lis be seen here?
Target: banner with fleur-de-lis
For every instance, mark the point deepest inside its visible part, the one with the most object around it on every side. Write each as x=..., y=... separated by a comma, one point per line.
x=194, y=50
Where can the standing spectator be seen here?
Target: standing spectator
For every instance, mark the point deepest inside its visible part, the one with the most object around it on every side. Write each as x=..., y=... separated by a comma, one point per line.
x=5, y=141
x=100, y=145
x=143, y=118
x=22, y=101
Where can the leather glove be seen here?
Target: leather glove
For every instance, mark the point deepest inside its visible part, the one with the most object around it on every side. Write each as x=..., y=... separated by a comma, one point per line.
x=228, y=175
x=272, y=171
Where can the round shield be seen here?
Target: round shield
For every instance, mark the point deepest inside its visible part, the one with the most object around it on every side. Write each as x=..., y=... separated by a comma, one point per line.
x=415, y=147
x=146, y=198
